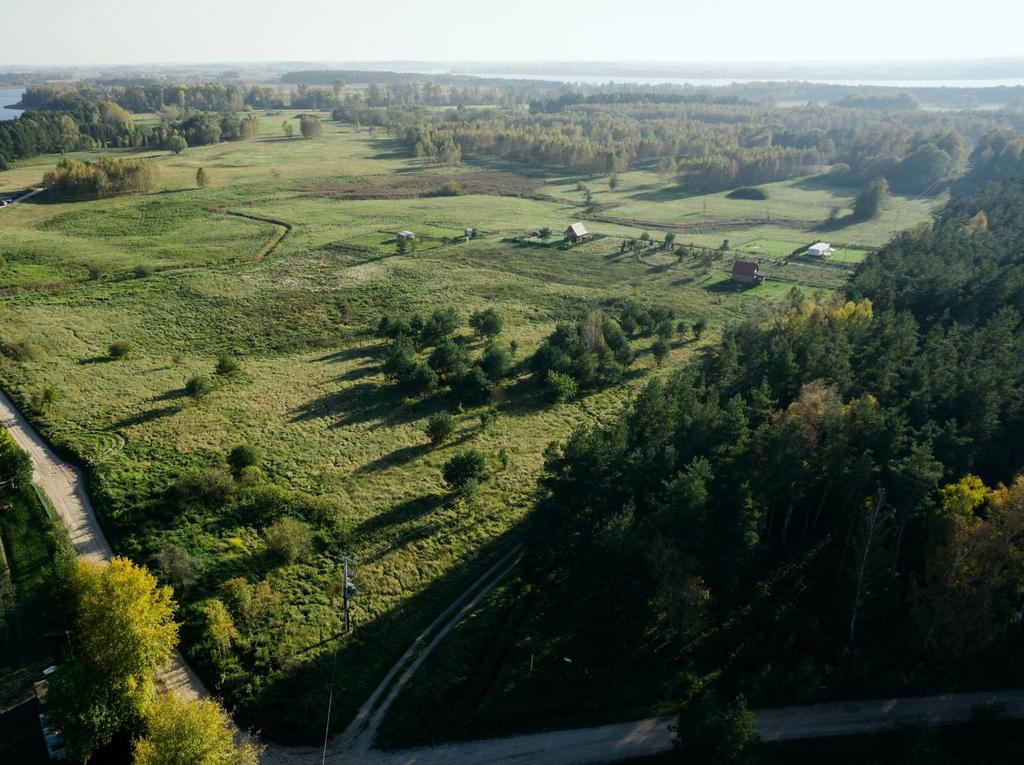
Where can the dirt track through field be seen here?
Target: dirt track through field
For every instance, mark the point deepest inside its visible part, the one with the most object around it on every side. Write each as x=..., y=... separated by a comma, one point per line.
x=64, y=487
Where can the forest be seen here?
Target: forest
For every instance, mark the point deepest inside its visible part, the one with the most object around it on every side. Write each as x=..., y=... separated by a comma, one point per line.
x=830, y=502
x=708, y=143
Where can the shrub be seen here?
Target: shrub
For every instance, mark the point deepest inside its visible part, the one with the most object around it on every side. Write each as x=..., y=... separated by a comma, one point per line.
x=419, y=378
x=448, y=359
x=392, y=328
x=446, y=189
x=119, y=349
x=660, y=350
x=243, y=456
x=747, y=192
x=474, y=387
x=310, y=126
x=442, y=324
x=199, y=386
x=871, y=201
x=488, y=418
x=440, y=427
x=712, y=732
x=178, y=566
x=209, y=487
x=21, y=350
x=464, y=467
x=289, y=539
x=176, y=144
x=142, y=270
x=495, y=362
x=228, y=365
x=399, y=359
x=15, y=464
x=487, y=323
x=561, y=387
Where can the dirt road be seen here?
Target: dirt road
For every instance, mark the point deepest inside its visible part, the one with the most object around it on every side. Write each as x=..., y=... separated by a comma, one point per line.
x=64, y=487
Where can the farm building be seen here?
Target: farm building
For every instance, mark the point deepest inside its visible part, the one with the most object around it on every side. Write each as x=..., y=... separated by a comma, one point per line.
x=820, y=249
x=406, y=236
x=747, y=272
x=577, y=232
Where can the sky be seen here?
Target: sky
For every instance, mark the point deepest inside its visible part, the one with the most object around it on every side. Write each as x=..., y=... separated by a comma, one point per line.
x=90, y=32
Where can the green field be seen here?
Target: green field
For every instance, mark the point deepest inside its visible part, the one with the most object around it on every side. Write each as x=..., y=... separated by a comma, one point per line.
x=184, y=278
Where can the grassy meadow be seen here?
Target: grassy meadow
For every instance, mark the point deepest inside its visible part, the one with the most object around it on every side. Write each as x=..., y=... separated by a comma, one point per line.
x=286, y=262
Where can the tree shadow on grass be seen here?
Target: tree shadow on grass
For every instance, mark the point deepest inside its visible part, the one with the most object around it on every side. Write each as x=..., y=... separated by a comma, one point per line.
x=156, y=413
x=357, y=374
x=400, y=513
x=525, y=397
x=726, y=285
x=351, y=354
x=664, y=194
x=171, y=395
x=662, y=268
x=409, y=453
x=362, y=403
x=395, y=458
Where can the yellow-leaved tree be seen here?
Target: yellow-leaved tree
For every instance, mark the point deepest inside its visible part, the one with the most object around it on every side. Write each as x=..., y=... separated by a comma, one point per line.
x=191, y=733
x=124, y=632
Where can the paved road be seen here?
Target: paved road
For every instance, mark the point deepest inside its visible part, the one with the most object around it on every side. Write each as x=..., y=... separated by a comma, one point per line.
x=64, y=486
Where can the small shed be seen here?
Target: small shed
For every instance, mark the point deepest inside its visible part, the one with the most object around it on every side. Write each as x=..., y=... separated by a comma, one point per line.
x=747, y=272
x=820, y=249
x=577, y=232
x=406, y=236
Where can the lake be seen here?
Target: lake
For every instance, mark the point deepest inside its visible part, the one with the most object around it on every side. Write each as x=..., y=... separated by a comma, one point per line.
x=713, y=82
x=8, y=97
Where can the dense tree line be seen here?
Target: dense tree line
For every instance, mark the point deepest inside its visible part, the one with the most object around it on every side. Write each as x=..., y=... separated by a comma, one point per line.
x=74, y=179
x=106, y=124
x=831, y=501
x=710, y=142
x=997, y=156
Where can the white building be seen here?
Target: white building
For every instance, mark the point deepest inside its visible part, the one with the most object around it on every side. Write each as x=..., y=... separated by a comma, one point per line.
x=820, y=250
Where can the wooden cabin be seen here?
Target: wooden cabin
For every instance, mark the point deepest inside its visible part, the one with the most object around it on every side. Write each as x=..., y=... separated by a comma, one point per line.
x=577, y=232
x=747, y=272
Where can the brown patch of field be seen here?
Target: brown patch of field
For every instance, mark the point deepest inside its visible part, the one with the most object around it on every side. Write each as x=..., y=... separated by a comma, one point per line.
x=495, y=183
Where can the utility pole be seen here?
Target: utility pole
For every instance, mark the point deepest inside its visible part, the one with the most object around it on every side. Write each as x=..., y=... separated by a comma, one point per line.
x=348, y=590
x=344, y=596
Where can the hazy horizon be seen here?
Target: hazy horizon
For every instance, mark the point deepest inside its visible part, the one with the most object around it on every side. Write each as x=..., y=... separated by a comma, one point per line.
x=455, y=31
